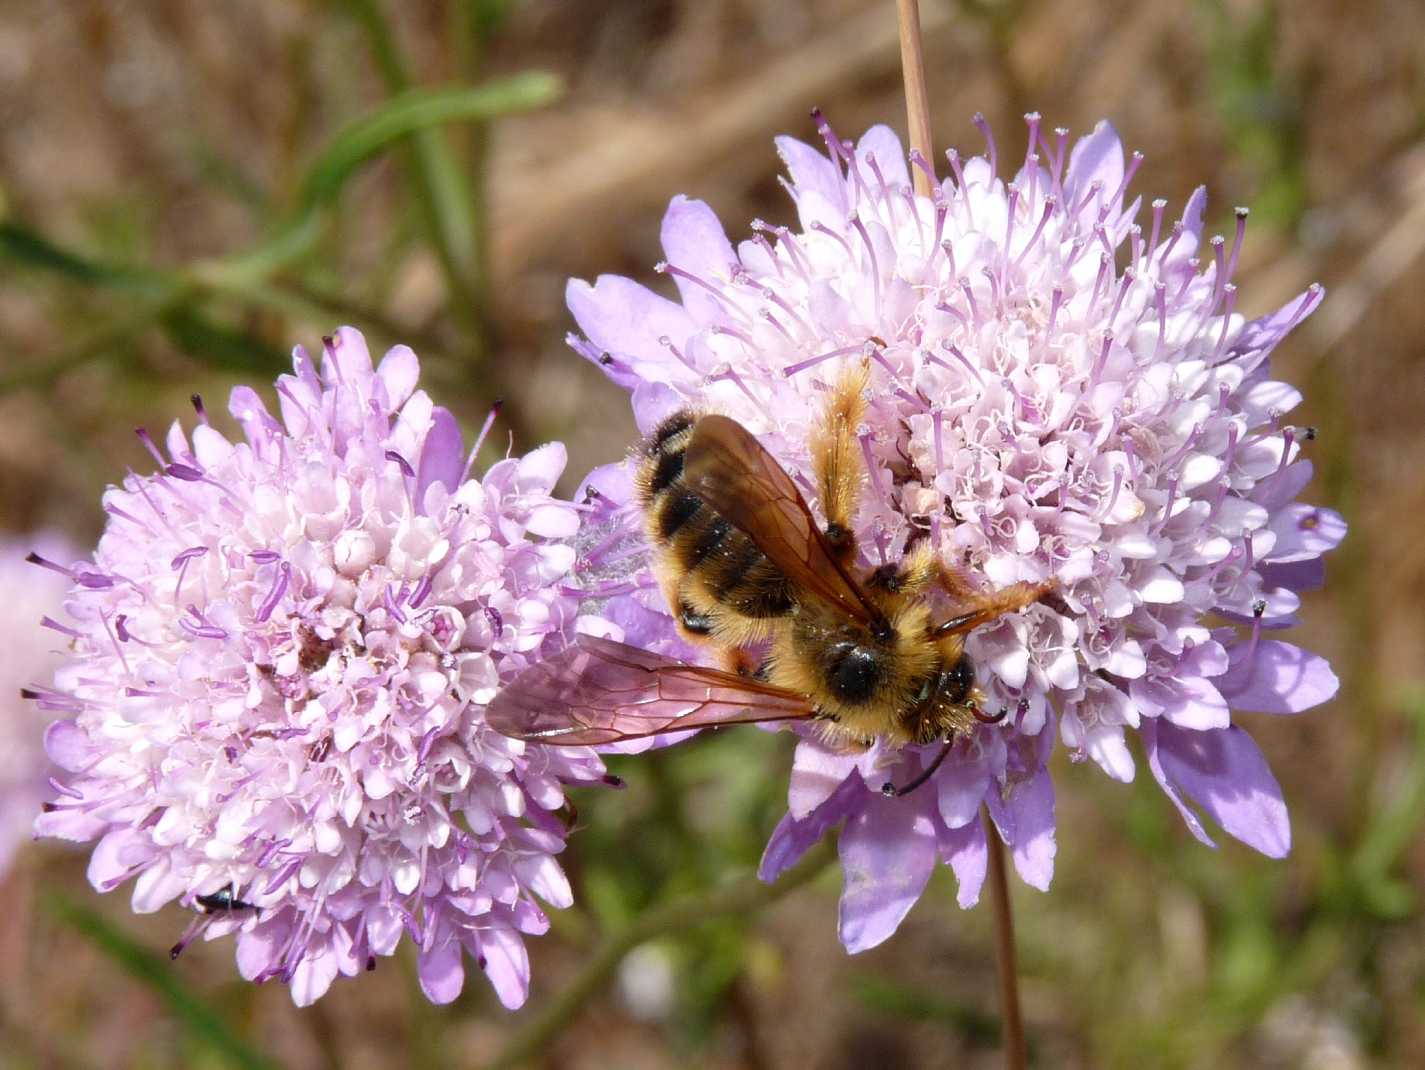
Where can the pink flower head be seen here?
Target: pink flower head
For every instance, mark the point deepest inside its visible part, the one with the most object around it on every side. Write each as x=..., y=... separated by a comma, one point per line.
x=1060, y=391
x=282, y=648
x=34, y=596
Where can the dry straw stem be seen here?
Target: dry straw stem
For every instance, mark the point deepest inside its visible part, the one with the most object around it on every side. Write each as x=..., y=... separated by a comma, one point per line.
x=917, y=96
x=917, y=104
x=1011, y=1024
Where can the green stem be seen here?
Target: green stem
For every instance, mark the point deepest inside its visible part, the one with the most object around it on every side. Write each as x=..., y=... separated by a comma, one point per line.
x=738, y=897
x=469, y=30
x=446, y=202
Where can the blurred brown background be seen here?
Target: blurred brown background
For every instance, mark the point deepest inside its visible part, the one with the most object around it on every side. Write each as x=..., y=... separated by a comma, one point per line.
x=166, y=133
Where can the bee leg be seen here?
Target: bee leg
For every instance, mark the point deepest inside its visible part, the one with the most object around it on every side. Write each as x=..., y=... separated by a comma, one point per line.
x=955, y=581
x=836, y=458
x=985, y=607
x=693, y=624
x=891, y=791
x=908, y=577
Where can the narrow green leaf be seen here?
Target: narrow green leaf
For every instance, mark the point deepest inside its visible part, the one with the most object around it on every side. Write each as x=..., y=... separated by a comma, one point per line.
x=29, y=248
x=219, y=345
x=446, y=198
x=417, y=109
x=202, y=1023
x=359, y=141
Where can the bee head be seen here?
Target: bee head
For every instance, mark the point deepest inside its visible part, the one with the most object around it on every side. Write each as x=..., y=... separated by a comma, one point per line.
x=854, y=671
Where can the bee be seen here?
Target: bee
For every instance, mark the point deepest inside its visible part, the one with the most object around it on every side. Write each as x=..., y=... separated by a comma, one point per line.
x=802, y=632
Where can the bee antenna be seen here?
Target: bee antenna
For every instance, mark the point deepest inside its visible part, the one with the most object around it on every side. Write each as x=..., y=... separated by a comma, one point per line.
x=890, y=791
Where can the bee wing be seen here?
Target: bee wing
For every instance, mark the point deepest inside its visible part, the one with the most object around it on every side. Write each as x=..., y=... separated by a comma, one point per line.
x=599, y=691
x=728, y=469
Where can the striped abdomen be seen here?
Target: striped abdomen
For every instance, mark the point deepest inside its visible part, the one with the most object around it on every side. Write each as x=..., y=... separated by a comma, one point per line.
x=713, y=576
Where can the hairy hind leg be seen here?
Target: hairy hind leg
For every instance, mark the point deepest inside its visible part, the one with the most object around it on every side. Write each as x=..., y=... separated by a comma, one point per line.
x=980, y=607
x=836, y=458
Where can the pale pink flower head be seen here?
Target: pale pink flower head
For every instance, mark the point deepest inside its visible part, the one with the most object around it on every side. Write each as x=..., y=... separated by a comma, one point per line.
x=281, y=653
x=34, y=597
x=1062, y=389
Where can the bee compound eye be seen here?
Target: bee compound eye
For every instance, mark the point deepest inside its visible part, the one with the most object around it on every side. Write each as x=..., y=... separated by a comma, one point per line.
x=854, y=674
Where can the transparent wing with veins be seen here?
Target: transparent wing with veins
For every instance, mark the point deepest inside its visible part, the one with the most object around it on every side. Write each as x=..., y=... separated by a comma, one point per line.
x=600, y=691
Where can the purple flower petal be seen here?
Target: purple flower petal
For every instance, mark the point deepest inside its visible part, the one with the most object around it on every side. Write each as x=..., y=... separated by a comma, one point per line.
x=1024, y=814
x=883, y=143
x=817, y=772
x=1155, y=765
x=1307, y=575
x=443, y=456
x=1259, y=337
x=1192, y=702
x=1098, y=157
x=399, y=371
x=888, y=851
x=813, y=173
x=628, y=320
x=793, y=838
x=694, y=241
x=1304, y=532
x=960, y=786
x=653, y=403
x=506, y=964
x=1276, y=677
x=966, y=851
x=312, y=977
x=442, y=970
x=68, y=746
x=1224, y=772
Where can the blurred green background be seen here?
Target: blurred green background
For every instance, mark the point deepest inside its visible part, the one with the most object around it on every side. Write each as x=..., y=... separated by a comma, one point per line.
x=187, y=189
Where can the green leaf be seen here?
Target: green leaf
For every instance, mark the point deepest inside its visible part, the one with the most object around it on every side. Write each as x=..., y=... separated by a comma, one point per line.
x=446, y=199
x=203, y=1024
x=29, y=248
x=359, y=141
x=417, y=109
x=219, y=345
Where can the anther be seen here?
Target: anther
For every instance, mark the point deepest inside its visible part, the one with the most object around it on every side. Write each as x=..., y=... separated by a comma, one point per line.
x=495, y=407
x=275, y=593
x=1050, y=203
x=1132, y=169
x=978, y=119
x=1031, y=120
x=919, y=161
x=1159, y=205
x=1241, y=214
x=1061, y=137
x=401, y=463
x=149, y=444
